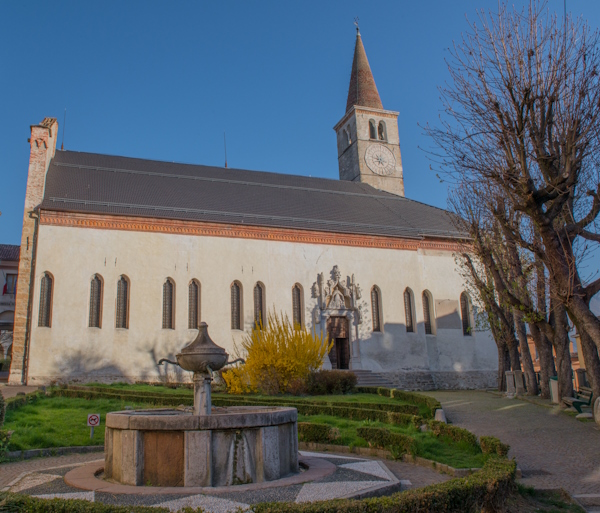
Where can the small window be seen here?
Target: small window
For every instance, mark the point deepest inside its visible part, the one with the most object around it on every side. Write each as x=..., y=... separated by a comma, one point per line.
x=427, y=311
x=465, y=311
x=236, y=306
x=259, y=306
x=408, y=310
x=381, y=131
x=372, y=129
x=348, y=136
x=10, y=287
x=194, y=304
x=168, y=321
x=297, y=305
x=122, y=317
x=376, y=308
x=95, y=318
x=45, y=316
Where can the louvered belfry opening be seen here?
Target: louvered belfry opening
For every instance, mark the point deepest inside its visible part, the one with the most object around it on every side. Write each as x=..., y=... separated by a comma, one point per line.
x=193, y=305
x=95, y=302
x=259, y=312
x=376, y=309
x=465, y=313
x=408, y=311
x=45, y=315
x=236, y=307
x=168, y=307
x=122, y=317
x=297, y=305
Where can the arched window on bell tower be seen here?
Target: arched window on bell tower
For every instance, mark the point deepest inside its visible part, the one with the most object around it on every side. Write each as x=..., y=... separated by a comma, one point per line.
x=372, y=129
x=381, y=131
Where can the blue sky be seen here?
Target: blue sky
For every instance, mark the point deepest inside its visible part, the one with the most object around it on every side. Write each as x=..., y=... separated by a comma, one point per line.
x=164, y=80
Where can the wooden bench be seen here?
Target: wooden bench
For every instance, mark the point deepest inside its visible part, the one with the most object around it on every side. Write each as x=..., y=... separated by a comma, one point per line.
x=583, y=397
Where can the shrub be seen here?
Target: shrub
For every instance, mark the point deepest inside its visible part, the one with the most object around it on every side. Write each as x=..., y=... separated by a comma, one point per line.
x=318, y=433
x=2, y=409
x=329, y=382
x=491, y=445
x=276, y=355
x=14, y=502
x=454, y=433
x=5, y=365
x=4, y=440
x=397, y=443
x=411, y=397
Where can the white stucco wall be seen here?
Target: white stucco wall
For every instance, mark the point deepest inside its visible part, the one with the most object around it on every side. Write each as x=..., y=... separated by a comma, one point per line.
x=71, y=350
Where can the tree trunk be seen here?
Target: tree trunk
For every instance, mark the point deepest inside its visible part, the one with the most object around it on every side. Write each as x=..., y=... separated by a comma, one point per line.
x=544, y=349
x=513, y=351
x=562, y=348
x=528, y=370
x=502, y=366
x=591, y=360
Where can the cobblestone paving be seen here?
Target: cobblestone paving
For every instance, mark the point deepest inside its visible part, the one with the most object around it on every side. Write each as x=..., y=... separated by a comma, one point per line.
x=10, y=471
x=553, y=449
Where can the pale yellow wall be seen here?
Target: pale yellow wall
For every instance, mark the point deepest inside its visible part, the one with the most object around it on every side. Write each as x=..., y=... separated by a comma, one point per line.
x=70, y=350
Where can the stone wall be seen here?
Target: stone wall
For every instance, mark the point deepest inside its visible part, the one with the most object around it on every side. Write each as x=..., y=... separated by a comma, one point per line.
x=425, y=380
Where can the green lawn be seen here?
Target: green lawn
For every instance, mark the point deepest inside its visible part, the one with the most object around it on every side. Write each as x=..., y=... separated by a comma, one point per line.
x=59, y=422
x=443, y=450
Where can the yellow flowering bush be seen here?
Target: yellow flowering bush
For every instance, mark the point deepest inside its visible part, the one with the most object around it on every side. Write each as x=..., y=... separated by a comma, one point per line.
x=277, y=356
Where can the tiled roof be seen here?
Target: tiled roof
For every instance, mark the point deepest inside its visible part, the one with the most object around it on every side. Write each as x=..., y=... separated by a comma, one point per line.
x=9, y=252
x=362, y=90
x=104, y=184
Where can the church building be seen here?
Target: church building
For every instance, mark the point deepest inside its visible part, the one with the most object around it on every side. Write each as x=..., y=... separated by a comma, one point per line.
x=121, y=258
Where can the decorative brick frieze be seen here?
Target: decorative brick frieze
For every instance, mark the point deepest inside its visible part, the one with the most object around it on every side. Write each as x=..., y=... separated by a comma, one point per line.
x=144, y=224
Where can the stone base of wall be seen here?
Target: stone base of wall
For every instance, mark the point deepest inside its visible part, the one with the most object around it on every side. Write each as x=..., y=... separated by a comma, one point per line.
x=425, y=380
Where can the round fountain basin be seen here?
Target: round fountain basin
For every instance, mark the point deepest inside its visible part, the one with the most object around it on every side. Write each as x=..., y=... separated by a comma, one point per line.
x=233, y=445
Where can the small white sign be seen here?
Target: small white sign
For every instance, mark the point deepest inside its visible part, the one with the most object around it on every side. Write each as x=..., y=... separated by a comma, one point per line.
x=93, y=420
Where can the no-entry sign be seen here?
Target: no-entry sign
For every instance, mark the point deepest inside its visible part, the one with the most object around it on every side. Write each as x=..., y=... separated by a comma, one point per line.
x=93, y=420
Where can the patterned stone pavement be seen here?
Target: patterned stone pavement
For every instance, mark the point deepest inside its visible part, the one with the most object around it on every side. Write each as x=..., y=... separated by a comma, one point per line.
x=553, y=449
x=352, y=477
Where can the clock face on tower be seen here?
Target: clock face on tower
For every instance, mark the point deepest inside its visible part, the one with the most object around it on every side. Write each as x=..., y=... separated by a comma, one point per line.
x=380, y=159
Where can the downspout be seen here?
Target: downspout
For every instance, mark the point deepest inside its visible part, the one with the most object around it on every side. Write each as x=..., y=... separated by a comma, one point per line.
x=35, y=214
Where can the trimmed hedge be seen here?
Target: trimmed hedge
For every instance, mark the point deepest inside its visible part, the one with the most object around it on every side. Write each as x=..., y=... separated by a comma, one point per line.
x=10, y=502
x=485, y=490
x=382, y=438
x=2, y=409
x=454, y=433
x=491, y=445
x=328, y=382
x=411, y=397
x=317, y=433
x=351, y=411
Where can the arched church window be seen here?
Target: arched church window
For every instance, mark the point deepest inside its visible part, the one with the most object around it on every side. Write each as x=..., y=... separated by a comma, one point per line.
x=194, y=304
x=259, y=306
x=297, y=305
x=376, y=307
x=372, y=129
x=381, y=131
x=45, y=315
x=408, y=310
x=168, y=321
x=95, y=320
x=236, y=306
x=122, y=314
x=465, y=311
x=347, y=136
x=427, y=313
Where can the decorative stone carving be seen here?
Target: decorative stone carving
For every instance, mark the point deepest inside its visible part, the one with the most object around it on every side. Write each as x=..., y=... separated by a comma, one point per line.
x=337, y=293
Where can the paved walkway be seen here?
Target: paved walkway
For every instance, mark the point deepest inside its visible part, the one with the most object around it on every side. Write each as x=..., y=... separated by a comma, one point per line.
x=12, y=390
x=554, y=450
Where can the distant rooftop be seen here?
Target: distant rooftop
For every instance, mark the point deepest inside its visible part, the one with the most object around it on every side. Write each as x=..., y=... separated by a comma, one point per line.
x=9, y=252
x=104, y=184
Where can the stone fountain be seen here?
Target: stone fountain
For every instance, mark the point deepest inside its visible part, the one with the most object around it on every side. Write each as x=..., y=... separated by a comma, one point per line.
x=206, y=447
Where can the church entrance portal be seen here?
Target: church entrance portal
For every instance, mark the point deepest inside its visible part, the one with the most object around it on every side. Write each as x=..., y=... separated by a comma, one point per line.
x=337, y=329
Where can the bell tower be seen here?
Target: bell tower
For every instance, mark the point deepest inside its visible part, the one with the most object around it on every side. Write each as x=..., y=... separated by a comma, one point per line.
x=367, y=136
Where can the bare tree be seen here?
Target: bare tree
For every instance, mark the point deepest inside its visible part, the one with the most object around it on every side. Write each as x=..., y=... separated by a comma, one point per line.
x=522, y=113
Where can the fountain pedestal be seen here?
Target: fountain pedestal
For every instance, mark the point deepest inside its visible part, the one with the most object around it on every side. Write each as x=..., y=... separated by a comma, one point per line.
x=202, y=401
x=234, y=445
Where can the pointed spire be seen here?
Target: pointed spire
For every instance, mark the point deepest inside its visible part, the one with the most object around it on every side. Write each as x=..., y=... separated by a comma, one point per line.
x=362, y=91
